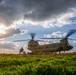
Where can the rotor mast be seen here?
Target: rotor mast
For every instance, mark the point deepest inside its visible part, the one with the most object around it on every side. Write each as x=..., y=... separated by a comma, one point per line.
x=32, y=35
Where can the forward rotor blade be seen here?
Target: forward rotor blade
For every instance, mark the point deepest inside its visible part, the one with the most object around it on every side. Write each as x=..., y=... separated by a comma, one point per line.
x=42, y=41
x=19, y=40
x=33, y=35
x=5, y=41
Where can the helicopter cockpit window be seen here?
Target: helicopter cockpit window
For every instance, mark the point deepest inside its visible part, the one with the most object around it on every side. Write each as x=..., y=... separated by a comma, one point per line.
x=61, y=48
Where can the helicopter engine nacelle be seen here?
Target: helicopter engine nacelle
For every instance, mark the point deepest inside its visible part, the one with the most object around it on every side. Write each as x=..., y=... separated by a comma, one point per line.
x=65, y=45
x=64, y=42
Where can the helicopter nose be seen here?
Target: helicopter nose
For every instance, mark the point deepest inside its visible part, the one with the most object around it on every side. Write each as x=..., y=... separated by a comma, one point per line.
x=71, y=47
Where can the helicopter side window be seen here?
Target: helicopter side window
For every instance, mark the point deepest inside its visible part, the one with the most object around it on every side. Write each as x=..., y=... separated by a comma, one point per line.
x=61, y=48
x=46, y=46
x=34, y=45
x=40, y=47
x=53, y=46
x=36, y=48
x=31, y=46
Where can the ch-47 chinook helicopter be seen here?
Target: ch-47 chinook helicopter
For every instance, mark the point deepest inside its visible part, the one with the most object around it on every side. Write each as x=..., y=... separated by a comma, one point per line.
x=63, y=45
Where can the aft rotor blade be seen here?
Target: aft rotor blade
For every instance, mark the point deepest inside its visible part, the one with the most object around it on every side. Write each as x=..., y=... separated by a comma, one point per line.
x=70, y=32
x=74, y=46
x=50, y=38
x=71, y=39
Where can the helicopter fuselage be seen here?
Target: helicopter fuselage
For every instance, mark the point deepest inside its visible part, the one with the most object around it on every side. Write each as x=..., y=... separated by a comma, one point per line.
x=63, y=45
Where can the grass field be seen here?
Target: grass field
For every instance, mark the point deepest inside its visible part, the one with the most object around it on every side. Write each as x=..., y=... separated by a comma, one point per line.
x=47, y=64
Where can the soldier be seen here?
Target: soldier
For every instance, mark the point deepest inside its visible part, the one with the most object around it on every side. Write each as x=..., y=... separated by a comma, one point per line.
x=21, y=51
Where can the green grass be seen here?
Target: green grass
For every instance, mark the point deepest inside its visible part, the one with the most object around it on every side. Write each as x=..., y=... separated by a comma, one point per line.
x=62, y=64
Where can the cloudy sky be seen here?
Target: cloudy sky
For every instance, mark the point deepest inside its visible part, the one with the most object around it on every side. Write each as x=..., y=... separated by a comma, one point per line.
x=47, y=18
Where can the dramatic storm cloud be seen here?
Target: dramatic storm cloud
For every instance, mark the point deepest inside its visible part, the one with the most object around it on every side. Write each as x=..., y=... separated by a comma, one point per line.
x=11, y=32
x=7, y=45
x=45, y=9
x=33, y=10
